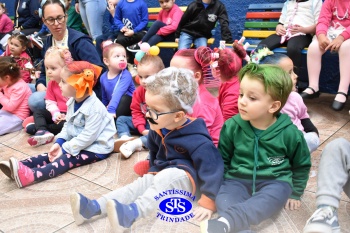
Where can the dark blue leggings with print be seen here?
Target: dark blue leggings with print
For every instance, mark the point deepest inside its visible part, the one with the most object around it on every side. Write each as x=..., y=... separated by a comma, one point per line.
x=43, y=169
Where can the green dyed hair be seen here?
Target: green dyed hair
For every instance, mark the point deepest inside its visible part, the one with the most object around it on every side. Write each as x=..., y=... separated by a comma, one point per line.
x=276, y=81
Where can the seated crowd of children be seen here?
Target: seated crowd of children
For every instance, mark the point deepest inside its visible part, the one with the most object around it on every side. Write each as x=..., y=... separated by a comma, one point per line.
x=256, y=134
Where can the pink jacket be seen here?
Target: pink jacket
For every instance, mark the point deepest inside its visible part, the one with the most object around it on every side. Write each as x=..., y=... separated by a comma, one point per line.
x=295, y=109
x=171, y=19
x=327, y=18
x=54, y=100
x=207, y=107
x=228, y=98
x=15, y=99
x=6, y=24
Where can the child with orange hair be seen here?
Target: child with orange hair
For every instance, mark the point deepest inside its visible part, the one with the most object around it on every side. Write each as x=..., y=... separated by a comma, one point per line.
x=86, y=137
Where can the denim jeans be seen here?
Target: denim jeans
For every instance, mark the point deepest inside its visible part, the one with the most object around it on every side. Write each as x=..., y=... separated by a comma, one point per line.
x=151, y=36
x=125, y=127
x=91, y=12
x=36, y=101
x=186, y=40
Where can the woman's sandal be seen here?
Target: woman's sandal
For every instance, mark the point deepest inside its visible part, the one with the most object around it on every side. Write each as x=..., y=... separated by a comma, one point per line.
x=315, y=94
x=338, y=106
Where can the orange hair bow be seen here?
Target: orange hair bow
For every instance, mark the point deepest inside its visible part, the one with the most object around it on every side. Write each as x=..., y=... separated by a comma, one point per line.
x=85, y=80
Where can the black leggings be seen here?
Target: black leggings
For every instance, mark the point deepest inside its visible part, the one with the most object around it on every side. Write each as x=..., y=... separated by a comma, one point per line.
x=43, y=121
x=294, y=47
x=124, y=107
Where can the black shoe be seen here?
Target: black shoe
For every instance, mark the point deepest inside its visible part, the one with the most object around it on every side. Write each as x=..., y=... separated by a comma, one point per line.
x=338, y=106
x=315, y=94
x=134, y=48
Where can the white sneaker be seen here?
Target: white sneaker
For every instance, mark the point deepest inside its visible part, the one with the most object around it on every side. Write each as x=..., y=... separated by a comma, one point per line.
x=324, y=219
x=128, y=148
x=118, y=142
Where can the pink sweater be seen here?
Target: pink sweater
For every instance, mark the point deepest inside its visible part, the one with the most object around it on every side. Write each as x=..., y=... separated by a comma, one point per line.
x=207, y=107
x=295, y=109
x=54, y=100
x=15, y=99
x=6, y=24
x=327, y=18
x=228, y=98
x=171, y=19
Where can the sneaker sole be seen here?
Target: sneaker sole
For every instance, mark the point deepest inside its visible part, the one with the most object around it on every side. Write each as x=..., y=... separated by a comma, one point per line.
x=133, y=50
x=113, y=217
x=119, y=142
x=204, y=226
x=14, y=168
x=75, y=205
x=6, y=170
x=40, y=140
x=315, y=227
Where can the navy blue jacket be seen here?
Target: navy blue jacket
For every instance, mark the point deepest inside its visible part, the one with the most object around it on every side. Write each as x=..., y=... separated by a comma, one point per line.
x=189, y=148
x=81, y=48
x=108, y=25
x=28, y=14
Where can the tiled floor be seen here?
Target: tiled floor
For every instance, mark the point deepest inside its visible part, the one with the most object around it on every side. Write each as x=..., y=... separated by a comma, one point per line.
x=44, y=207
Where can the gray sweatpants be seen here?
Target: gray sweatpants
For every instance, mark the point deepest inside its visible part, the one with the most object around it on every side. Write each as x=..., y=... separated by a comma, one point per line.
x=333, y=173
x=9, y=122
x=143, y=190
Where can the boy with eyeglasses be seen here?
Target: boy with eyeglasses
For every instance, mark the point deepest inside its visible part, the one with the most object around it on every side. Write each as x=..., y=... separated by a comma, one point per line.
x=182, y=157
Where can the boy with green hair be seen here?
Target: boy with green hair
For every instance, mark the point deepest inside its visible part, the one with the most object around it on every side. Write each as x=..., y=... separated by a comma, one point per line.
x=266, y=158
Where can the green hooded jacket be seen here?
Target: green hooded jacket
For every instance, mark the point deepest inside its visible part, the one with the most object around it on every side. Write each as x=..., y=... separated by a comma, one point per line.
x=278, y=153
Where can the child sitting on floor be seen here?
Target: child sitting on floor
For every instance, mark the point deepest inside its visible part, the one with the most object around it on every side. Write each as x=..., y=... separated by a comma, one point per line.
x=125, y=144
x=295, y=107
x=14, y=94
x=117, y=85
x=49, y=121
x=182, y=156
x=86, y=137
x=266, y=158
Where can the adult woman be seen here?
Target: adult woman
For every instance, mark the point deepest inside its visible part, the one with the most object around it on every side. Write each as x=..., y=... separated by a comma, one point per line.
x=92, y=12
x=27, y=19
x=81, y=47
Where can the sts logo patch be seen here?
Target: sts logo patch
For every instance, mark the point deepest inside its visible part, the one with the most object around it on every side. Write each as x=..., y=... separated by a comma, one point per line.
x=175, y=205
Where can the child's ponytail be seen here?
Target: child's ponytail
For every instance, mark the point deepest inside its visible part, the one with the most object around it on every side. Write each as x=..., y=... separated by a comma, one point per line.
x=8, y=66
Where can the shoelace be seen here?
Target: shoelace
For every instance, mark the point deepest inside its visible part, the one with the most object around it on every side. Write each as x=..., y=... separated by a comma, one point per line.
x=322, y=214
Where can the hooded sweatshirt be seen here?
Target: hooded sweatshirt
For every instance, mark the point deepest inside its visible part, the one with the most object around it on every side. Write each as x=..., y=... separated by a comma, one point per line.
x=278, y=153
x=190, y=148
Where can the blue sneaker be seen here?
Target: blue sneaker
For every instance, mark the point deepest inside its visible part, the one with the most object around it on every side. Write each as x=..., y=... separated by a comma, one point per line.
x=121, y=216
x=324, y=219
x=83, y=208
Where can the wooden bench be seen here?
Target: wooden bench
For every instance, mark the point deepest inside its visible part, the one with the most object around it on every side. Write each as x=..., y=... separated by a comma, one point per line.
x=153, y=15
x=261, y=22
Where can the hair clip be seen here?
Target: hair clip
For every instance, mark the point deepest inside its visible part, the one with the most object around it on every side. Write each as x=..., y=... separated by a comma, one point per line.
x=256, y=56
x=145, y=48
x=106, y=43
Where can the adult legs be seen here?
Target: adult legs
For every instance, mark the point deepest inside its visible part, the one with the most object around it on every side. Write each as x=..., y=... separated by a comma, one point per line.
x=94, y=11
x=36, y=101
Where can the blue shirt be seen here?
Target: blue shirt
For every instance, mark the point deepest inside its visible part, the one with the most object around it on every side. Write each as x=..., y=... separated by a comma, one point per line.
x=133, y=15
x=114, y=89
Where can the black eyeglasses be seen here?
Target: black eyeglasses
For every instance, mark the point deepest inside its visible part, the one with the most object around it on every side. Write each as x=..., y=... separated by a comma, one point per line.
x=152, y=113
x=59, y=19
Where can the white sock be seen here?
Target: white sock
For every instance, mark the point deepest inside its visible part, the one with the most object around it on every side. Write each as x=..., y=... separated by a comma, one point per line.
x=124, y=136
x=224, y=220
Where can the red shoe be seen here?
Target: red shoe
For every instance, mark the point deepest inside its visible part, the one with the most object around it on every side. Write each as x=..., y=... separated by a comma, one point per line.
x=23, y=175
x=141, y=168
x=28, y=120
